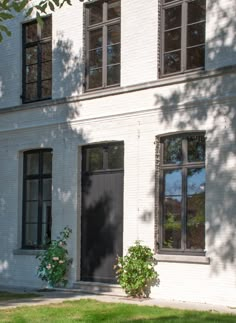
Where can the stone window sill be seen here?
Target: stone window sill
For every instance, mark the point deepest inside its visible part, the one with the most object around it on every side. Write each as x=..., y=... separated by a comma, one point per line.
x=183, y=259
x=26, y=252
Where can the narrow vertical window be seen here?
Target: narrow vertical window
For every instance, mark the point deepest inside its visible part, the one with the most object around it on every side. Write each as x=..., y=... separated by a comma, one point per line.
x=182, y=193
x=37, y=60
x=103, y=44
x=37, y=197
x=183, y=35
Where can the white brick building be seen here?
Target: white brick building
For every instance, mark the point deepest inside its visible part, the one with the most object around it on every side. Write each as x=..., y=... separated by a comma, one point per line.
x=166, y=78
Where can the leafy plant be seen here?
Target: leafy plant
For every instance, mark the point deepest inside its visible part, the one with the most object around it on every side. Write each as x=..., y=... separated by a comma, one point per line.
x=54, y=260
x=135, y=271
x=10, y=9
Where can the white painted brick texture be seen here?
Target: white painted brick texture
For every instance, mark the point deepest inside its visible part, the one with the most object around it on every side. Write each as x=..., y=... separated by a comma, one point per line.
x=136, y=118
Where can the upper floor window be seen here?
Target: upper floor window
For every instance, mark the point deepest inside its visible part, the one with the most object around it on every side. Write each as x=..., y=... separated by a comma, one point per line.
x=102, y=44
x=37, y=197
x=37, y=60
x=182, y=35
x=182, y=193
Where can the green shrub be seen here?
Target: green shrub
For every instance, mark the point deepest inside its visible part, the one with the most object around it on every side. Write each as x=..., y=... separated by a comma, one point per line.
x=135, y=271
x=54, y=260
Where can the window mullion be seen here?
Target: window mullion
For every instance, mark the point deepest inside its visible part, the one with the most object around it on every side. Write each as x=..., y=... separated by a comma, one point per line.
x=184, y=192
x=184, y=37
x=104, y=54
x=39, y=69
x=40, y=199
x=184, y=208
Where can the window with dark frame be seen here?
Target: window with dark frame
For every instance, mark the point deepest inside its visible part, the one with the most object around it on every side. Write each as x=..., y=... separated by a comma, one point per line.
x=182, y=36
x=37, y=198
x=182, y=194
x=102, y=44
x=37, y=60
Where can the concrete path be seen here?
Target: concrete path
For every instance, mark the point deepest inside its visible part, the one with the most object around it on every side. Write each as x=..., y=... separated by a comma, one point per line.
x=57, y=296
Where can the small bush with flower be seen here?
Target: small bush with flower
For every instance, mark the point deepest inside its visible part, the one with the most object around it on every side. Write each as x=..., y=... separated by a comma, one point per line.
x=54, y=261
x=135, y=271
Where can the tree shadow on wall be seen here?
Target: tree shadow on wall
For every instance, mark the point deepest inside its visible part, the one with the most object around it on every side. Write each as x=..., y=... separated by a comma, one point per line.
x=46, y=124
x=208, y=104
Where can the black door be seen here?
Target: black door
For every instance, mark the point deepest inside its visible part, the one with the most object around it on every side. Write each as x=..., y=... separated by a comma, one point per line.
x=102, y=211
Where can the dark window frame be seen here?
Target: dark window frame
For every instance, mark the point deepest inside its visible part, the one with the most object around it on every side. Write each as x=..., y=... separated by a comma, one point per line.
x=39, y=62
x=40, y=177
x=101, y=25
x=160, y=168
x=183, y=49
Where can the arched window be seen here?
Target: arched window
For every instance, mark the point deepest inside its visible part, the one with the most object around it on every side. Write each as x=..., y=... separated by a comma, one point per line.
x=37, y=197
x=182, y=193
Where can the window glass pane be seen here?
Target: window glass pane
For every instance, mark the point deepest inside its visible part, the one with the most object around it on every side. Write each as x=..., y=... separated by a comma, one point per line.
x=95, y=78
x=195, y=57
x=47, y=162
x=113, y=74
x=31, y=92
x=46, y=234
x=47, y=212
x=31, y=212
x=113, y=34
x=95, y=158
x=95, y=58
x=31, y=32
x=46, y=89
x=32, y=189
x=113, y=9
x=196, y=181
x=196, y=10
x=196, y=148
x=46, y=52
x=196, y=34
x=113, y=54
x=173, y=182
x=46, y=70
x=32, y=164
x=196, y=208
x=196, y=222
x=31, y=235
x=172, y=223
x=115, y=156
x=95, y=13
x=172, y=150
x=47, y=189
x=31, y=55
x=173, y=17
x=31, y=73
x=95, y=38
x=46, y=29
x=172, y=40
x=172, y=62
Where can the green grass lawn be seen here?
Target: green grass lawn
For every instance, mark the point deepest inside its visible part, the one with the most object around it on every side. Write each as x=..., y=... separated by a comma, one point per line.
x=94, y=311
x=6, y=296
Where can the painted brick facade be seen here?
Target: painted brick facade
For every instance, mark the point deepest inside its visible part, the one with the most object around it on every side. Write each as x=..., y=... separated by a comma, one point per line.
x=141, y=109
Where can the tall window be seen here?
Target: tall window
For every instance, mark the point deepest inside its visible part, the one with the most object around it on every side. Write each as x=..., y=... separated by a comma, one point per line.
x=182, y=35
x=182, y=193
x=37, y=60
x=37, y=195
x=103, y=44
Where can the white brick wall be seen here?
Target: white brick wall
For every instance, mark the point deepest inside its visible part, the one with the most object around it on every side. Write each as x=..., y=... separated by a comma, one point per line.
x=135, y=117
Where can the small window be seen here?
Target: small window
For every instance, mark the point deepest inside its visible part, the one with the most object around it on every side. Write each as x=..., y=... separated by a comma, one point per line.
x=37, y=60
x=37, y=198
x=183, y=35
x=104, y=157
x=182, y=193
x=103, y=44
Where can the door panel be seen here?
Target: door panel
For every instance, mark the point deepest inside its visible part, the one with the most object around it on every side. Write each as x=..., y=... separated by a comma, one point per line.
x=102, y=220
